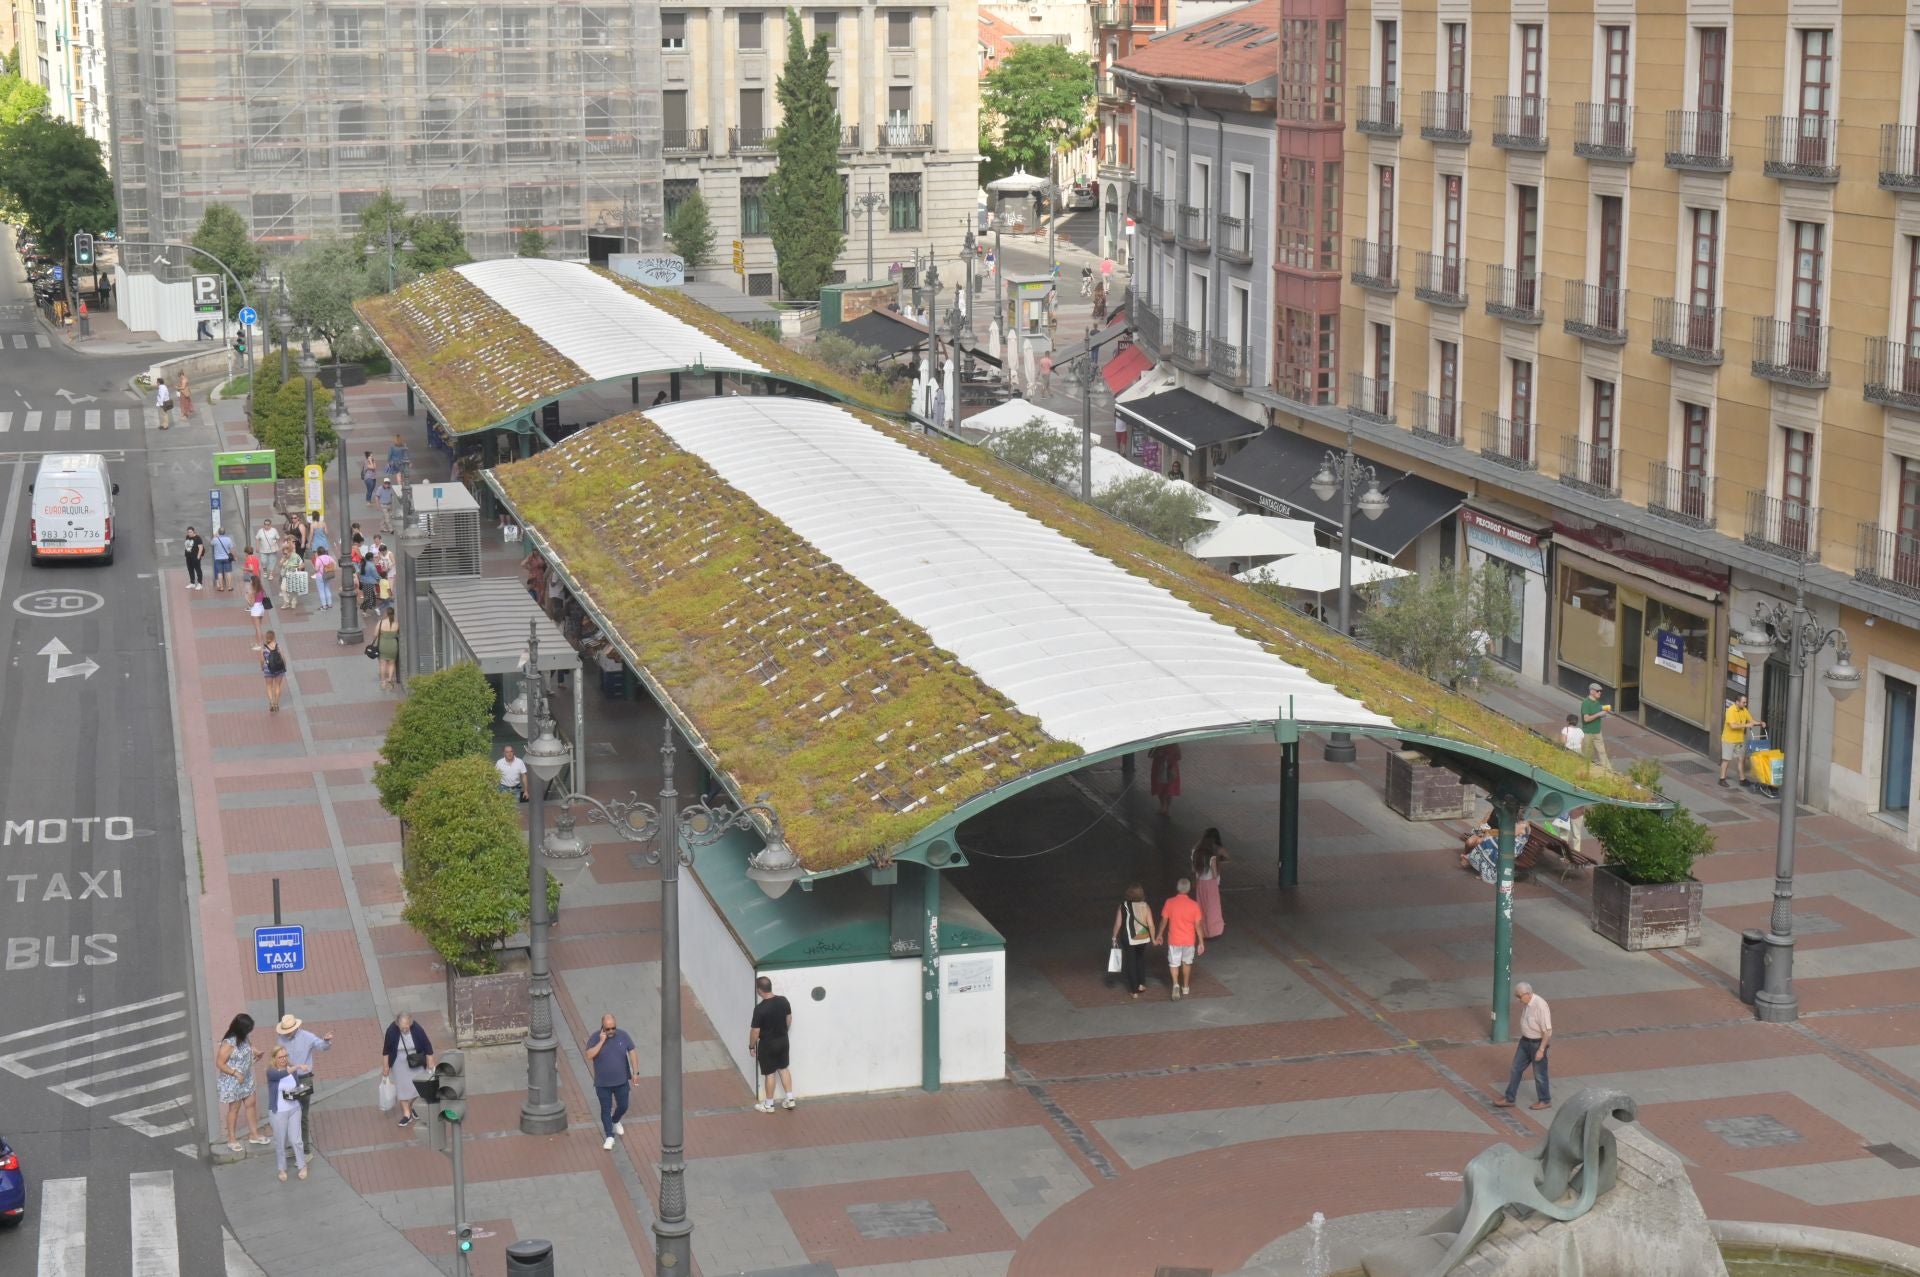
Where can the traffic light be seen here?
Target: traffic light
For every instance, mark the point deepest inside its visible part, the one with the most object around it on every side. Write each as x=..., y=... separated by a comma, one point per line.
x=83, y=249
x=463, y=1237
x=450, y=1086
x=739, y=257
x=240, y=344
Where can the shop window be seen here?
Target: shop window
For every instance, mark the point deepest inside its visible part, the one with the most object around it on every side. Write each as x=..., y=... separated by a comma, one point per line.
x=1589, y=636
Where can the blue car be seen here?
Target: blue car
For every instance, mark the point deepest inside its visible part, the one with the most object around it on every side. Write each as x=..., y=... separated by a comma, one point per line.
x=13, y=1186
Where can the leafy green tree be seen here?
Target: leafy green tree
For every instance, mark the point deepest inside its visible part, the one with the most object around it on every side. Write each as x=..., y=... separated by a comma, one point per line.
x=324, y=279
x=467, y=887
x=1040, y=449
x=447, y=714
x=387, y=213
x=55, y=182
x=1431, y=623
x=223, y=233
x=277, y=415
x=530, y=243
x=1160, y=509
x=1646, y=846
x=19, y=98
x=804, y=194
x=690, y=231
x=1039, y=100
x=438, y=243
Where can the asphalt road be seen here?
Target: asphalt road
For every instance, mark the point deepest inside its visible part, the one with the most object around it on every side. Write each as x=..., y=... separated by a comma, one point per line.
x=100, y=1055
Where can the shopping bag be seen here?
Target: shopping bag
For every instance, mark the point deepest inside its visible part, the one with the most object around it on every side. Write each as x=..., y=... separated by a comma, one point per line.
x=1113, y=960
x=386, y=1094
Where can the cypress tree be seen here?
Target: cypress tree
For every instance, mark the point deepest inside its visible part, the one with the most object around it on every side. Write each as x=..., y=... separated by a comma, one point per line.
x=805, y=197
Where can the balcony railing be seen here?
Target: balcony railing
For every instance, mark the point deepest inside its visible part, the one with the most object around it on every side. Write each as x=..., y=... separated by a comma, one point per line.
x=1603, y=130
x=1803, y=148
x=1136, y=202
x=1783, y=526
x=1680, y=496
x=903, y=136
x=849, y=137
x=1892, y=373
x=1899, y=157
x=1790, y=350
x=1514, y=294
x=1436, y=420
x=741, y=138
x=1520, y=124
x=1888, y=559
x=1590, y=467
x=1188, y=349
x=1507, y=441
x=1375, y=267
x=1597, y=313
x=1371, y=399
x=1378, y=112
x=1233, y=239
x=1686, y=332
x=1195, y=227
x=1698, y=140
x=1146, y=325
x=1446, y=117
x=1166, y=212
x=1440, y=280
x=685, y=141
x=1232, y=363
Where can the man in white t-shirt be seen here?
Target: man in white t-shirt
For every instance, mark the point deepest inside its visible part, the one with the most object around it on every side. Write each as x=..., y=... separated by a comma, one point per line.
x=513, y=774
x=267, y=541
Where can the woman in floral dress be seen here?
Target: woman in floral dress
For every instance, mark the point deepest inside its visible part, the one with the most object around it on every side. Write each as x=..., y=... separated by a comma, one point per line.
x=235, y=1060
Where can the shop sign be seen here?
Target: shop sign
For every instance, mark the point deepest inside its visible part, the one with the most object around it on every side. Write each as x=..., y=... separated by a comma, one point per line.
x=1669, y=651
x=1736, y=670
x=1502, y=540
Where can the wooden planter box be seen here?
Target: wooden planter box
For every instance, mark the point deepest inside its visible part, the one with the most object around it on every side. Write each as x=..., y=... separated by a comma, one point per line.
x=488, y=1010
x=1646, y=916
x=1419, y=790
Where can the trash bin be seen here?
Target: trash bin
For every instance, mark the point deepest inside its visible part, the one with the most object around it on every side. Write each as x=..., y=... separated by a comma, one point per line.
x=1753, y=964
x=533, y=1256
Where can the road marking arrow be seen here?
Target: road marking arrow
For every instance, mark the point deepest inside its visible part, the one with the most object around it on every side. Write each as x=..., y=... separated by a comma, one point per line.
x=70, y=397
x=53, y=651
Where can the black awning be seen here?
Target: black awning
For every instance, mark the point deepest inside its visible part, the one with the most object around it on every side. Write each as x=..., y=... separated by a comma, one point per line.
x=1187, y=421
x=1276, y=470
x=877, y=328
x=1101, y=340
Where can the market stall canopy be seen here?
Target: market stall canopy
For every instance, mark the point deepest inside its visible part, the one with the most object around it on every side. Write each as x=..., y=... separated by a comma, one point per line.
x=1187, y=421
x=886, y=332
x=1253, y=536
x=1277, y=470
x=1125, y=368
x=887, y=633
x=1018, y=182
x=1318, y=571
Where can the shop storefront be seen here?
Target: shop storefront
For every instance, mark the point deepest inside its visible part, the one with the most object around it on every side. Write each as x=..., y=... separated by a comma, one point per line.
x=1516, y=543
x=1178, y=434
x=1650, y=626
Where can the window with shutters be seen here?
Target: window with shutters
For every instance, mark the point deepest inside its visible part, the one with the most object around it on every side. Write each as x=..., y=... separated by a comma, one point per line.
x=753, y=207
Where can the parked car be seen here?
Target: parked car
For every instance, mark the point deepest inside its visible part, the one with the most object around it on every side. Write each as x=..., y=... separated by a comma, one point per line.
x=13, y=1186
x=1081, y=196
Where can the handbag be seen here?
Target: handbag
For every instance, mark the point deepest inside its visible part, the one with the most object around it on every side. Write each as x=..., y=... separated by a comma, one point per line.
x=1113, y=960
x=373, y=650
x=415, y=1059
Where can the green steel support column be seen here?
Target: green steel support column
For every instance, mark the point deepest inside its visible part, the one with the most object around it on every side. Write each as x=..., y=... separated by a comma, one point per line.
x=673, y=387
x=930, y=980
x=1503, y=821
x=1290, y=815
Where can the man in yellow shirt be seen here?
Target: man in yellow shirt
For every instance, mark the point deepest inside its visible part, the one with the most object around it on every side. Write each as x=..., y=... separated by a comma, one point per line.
x=1733, y=736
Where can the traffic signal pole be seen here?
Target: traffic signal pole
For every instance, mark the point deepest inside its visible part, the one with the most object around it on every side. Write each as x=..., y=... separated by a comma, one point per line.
x=462, y=1235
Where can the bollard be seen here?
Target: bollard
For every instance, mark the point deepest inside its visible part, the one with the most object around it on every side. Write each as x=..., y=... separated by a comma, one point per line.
x=533, y=1256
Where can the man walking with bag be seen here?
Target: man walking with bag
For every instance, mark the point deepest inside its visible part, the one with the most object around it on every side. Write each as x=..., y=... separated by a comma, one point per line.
x=614, y=1060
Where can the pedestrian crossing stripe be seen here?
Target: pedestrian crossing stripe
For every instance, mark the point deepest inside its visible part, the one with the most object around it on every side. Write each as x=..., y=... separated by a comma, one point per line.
x=91, y=419
x=63, y=1228
x=122, y=1051
x=39, y=339
x=63, y=420
x=153, y=1229
x=33, y=421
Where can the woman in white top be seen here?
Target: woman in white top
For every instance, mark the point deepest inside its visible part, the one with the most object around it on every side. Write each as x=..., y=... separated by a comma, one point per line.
x=1132, y=934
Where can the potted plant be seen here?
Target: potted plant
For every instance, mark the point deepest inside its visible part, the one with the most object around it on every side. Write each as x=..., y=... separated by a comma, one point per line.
x=1645, y=895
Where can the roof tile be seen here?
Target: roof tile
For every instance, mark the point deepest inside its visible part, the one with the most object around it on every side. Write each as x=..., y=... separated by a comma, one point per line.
x=1239, y=47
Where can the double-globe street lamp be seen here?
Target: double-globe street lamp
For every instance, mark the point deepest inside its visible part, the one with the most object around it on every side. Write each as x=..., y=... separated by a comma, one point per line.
x=1771, y=625
x=775, y=868
x=1358, y=486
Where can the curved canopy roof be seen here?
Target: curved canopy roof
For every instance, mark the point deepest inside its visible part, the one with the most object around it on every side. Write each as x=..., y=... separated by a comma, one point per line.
x=882, y=632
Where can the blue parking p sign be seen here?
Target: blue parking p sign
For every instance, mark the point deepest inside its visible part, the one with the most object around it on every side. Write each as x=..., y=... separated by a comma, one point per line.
x=278, y=950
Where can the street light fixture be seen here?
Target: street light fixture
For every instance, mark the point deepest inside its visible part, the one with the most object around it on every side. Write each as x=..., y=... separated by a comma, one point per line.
x=1769, y=624
x=868, y=206
x=1085, y=371
x=1342, y=475
x=308, y=371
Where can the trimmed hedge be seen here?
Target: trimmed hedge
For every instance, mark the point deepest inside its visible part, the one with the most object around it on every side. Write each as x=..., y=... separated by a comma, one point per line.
x=447, y=714
x=466, y=864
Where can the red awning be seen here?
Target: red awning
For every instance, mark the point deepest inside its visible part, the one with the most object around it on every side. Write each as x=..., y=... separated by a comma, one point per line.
x=1125, y=368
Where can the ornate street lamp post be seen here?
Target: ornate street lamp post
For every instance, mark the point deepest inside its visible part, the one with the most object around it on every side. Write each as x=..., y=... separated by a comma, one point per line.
x=1343, y=474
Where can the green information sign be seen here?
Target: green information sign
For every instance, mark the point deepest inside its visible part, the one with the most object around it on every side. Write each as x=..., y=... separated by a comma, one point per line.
x=244, y=467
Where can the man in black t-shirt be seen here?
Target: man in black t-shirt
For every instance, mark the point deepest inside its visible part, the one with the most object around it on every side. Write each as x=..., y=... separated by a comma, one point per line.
x=767, y=1040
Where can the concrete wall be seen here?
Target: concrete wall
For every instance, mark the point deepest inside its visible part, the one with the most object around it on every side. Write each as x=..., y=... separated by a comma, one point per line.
x=717, y=970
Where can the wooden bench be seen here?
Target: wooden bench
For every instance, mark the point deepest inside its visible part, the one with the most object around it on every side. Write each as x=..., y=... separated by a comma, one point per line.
x=1525, y=857
x=1540, y=839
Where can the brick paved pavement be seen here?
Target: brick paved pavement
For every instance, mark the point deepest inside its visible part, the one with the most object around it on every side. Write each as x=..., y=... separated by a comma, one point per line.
x=1334, y=1057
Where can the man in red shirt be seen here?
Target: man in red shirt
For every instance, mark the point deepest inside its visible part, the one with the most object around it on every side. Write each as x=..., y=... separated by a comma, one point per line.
x=1180, y=932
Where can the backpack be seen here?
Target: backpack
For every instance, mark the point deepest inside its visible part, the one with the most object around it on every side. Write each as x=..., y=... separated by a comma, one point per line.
x=276, y=663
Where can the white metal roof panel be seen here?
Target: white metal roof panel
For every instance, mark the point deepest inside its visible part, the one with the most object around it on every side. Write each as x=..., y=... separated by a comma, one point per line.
x=594, y=322
x=1101, y=657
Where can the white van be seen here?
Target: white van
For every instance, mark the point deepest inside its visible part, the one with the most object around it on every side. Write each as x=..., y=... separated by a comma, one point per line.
x=72, y=508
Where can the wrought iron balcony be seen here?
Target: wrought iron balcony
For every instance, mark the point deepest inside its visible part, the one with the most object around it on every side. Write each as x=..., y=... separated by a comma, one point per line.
x=1188, y=349
x=1136, y=202
x=1899, y=157
x=849, y=137
x=1515, y=295
x=1520, y=124
x=1146, y=325
x=1697, y=140
x=1446, y=117
x=1892, y=373
x=685, y=141
x=1680, y=496
x=1378, y=112
x=1783, y=527
x=1590, y=467
x=1371, y=399
x=1436, y=420
x=1596, y=313
x=1803, y=148
x=1793, y=351
x=1166, y=213
x=1439, y=280
x=743, y=139
x=1507, y=441
x=1888, y=559
x=1375, y=267
x=1194, y=228
x=1232, y=364
x=1233, y=239
x=1688, y=333
x=902, y=136
x=1603, y=131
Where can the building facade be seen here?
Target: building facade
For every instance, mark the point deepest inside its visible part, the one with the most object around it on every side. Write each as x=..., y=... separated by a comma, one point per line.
x=63, y=48
x=504, y=117
x=909, y=97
